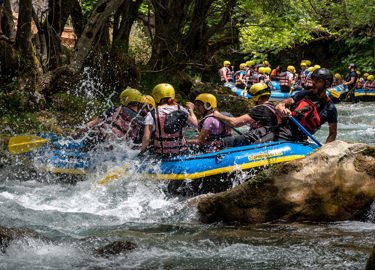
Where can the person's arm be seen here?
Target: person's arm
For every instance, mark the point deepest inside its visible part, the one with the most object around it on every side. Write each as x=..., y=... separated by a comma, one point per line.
x=352, y=79
x=88, y=126
x=284, y=105
x=332, y=132
x=191, y=118
x=146, y=138
x=234, y=121
x=241, y=79
x=203, y=134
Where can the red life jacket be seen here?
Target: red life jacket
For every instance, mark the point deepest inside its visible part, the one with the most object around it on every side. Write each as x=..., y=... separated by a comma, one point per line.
x=284, y=80
x=228, y=73
x=165, y=143
x=213, y=141
x=308, y=82
x=370, y=86
x=123, y=125
x=306, y=113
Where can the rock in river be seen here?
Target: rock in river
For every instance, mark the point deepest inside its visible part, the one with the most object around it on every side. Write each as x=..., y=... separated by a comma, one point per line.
x=335, y=183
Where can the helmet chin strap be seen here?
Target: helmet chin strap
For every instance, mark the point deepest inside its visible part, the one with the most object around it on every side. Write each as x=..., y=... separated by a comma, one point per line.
x=207, y=106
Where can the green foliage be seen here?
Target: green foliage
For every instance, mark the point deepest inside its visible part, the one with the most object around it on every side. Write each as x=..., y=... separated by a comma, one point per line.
x=139, y=45
x=87, y=6
x=273, y=28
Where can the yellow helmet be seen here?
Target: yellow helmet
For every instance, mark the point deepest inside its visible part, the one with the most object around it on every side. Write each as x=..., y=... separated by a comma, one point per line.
x=310, y=69
x=358, y=72
x=290, y=68
x=308, y=62
x=207, y=99
x=226, y=62
x=163, y=90
x=250, y=63
x=149, y=100
x=338, y=76
x=261, y=70
x=316, y=67
x=267, y=70
x=303, y=64
x=130, y=95
x=242, y=65
x=258, y=90
x=370, y=77
x=366, y=74
x=266, y=63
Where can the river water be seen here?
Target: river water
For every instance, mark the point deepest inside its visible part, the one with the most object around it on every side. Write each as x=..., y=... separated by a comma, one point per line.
x=76, y=219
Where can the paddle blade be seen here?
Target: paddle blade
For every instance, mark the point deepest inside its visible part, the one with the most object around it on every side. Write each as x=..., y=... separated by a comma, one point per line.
x=113, y=175
x=26, y=143
x=334, y=93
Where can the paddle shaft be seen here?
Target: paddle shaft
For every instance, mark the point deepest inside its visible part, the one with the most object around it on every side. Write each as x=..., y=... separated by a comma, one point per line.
x=304, y=130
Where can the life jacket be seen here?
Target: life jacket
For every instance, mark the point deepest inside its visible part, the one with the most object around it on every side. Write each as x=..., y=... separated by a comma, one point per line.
x=248, y=74
x=124, y=125
x=165, y=143
x=275, y=77
x=213, y=141
x=360, y=83
x=228, y=73
x=307, y=113
x=237, y=77
x=261, y=77
x=280, y=117
x=370, y=86
x=308, y=82
x=284, y=81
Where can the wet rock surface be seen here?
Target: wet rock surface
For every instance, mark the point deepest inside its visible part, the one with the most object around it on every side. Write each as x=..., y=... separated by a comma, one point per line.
x=10, y=234
x=115, y=248
x=335, y=183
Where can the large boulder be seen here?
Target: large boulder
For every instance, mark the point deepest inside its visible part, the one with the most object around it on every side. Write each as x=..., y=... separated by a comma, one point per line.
x=335, y=183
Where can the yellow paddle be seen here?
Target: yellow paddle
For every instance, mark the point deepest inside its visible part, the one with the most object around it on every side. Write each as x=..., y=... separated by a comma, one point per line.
x=26, y=143
x=334, y=93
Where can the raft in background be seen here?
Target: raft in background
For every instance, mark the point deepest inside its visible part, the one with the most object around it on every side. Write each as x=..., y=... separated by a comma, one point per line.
x=276, y=93
x=364, y=95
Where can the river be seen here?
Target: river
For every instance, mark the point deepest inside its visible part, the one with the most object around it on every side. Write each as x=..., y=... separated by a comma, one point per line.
x=80, y=218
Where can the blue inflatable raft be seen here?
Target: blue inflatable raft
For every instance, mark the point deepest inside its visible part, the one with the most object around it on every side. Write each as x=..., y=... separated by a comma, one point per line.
x=209, y=172
x=364, y=95
x=276, y=94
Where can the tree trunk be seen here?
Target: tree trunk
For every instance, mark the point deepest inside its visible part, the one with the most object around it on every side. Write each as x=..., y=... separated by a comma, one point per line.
x=170, y=18
x=7, y=21
x=128, y=13
x=100, y=14
x=182, y=33
x=27, y=69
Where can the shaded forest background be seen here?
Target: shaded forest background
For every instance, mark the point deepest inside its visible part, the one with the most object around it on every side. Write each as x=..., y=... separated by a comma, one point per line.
x=139, y=43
